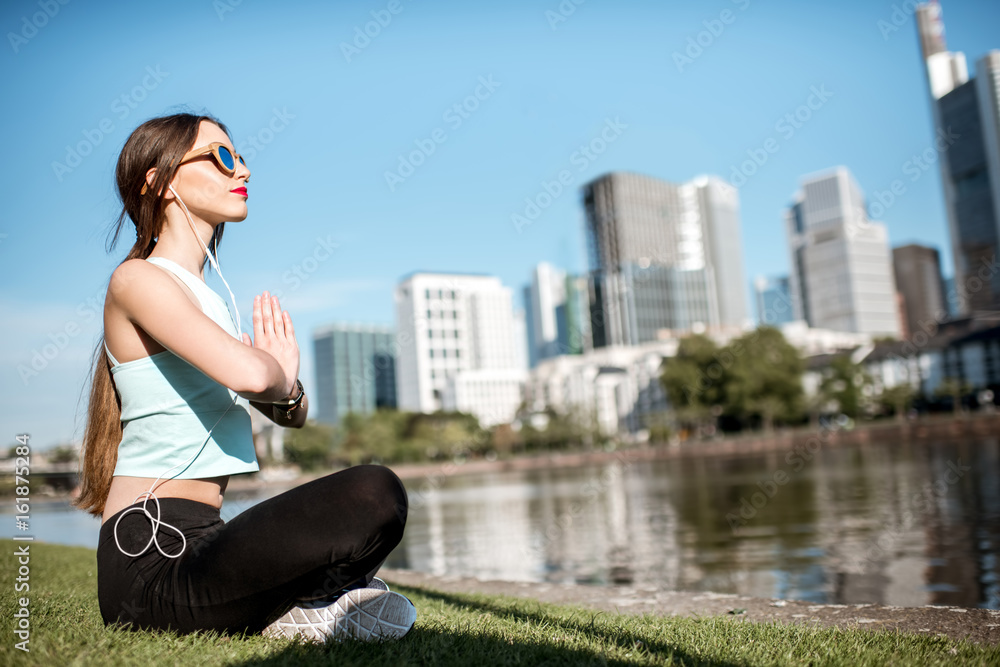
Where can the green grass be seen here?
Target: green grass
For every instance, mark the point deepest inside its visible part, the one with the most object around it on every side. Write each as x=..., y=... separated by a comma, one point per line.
x=478, y=630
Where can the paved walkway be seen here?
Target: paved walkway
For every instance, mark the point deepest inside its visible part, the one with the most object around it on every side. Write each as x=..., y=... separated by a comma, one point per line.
x=978, y=625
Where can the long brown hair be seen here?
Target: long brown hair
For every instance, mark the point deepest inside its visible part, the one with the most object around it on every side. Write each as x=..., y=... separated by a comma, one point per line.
x=160, y=143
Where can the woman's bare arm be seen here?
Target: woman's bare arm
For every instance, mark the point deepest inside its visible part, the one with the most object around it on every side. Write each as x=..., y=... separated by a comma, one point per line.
x=181, y=327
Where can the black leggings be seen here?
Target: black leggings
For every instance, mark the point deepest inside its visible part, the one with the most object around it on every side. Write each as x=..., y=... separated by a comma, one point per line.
x=239, y=576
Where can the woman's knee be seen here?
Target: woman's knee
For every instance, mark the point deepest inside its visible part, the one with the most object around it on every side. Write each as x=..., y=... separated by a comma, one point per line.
x=386, y=495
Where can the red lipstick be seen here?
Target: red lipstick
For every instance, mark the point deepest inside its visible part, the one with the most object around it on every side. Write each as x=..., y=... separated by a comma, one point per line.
x=241, y=191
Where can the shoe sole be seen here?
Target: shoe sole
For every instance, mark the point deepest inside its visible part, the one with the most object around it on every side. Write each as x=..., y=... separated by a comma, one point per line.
x=364, y=614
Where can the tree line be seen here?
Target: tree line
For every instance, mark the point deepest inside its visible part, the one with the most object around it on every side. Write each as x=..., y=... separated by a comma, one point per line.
x=754, y=382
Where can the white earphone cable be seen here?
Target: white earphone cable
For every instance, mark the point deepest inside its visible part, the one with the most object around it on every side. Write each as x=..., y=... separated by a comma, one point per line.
x=149, y=494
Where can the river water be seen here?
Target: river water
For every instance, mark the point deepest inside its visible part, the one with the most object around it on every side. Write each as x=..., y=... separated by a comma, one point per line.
x=894, y=523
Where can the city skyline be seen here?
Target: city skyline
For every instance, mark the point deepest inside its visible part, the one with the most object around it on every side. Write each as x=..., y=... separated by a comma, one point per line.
x=328, y=229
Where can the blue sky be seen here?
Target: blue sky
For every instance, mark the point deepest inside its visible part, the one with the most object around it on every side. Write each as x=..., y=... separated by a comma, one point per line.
x=328, y=126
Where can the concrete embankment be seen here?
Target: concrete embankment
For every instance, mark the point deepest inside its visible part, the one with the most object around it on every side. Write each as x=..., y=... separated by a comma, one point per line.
x=939, y=429
x=978, y=625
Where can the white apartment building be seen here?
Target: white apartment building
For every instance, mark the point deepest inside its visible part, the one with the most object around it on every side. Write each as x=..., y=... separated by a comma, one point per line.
x=842, y=277
x=457, y=348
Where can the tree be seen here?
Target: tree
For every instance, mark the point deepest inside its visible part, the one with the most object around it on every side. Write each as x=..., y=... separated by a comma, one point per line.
x=765, y=377
x=444, y=434
x=505, y=439
x=897, y=398
x=844, y=382
x=954, y=388
x=659, y=427
x=695, y=380
x=376, y=437
x=815, y=404
x=63, y=454
x=768, y=407
x=309, y=447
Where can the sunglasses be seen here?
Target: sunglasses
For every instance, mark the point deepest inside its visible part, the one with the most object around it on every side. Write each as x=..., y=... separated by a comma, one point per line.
x=224, y=157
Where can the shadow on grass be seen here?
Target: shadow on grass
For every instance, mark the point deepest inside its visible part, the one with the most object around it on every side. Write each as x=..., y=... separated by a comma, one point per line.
x=507, y=642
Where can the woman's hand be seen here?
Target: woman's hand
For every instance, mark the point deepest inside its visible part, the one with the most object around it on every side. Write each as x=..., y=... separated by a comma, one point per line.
x=273, y=333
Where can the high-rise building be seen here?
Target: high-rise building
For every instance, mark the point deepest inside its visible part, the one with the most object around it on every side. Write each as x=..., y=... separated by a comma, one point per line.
x=355, y=370
x=773, y=299
x=557, y=313
x=579, y=339
x=966, y=115
x=841, y=275
x=545, y=299
x=457, y=348
x=950, y=296
x=520, y=339
x=917, y=270
x=664, y=258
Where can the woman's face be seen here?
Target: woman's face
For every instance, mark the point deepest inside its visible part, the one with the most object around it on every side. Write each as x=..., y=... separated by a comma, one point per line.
x=208, y=191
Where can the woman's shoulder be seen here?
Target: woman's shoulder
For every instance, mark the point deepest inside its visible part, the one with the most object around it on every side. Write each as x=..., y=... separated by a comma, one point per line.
x=134, y=280
x=132, y=273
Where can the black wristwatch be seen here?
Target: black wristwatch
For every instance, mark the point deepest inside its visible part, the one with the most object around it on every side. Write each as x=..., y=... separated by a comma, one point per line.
x=288, y=407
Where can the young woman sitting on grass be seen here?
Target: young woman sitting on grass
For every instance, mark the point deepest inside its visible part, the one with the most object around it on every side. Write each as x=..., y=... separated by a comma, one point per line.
x=169, y=421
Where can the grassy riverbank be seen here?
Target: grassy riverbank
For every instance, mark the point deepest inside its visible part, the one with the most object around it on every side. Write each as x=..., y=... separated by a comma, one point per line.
x=451, y=629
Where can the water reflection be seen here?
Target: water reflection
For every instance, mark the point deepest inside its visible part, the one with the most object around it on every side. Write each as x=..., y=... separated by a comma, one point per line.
x=902, y=524
x=893, y=523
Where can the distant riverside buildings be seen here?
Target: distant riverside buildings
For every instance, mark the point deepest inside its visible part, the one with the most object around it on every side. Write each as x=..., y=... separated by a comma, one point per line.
x=966, y=116
x=664, y=258
x=457, y=348
x=355, y=370
x=618, y=388
x=918, y=278
x=841, y=275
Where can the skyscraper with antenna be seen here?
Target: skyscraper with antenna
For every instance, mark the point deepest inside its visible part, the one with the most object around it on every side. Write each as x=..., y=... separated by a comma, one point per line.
x=966, y=144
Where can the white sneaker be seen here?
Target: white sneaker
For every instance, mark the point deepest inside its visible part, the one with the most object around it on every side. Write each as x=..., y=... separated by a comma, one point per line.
x=365, y=614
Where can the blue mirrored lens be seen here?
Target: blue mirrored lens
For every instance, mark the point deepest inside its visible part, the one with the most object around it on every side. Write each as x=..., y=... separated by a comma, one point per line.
x=227, y=158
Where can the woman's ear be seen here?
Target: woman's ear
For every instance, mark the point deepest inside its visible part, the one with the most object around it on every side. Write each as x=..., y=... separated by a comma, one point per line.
x=150, y=176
